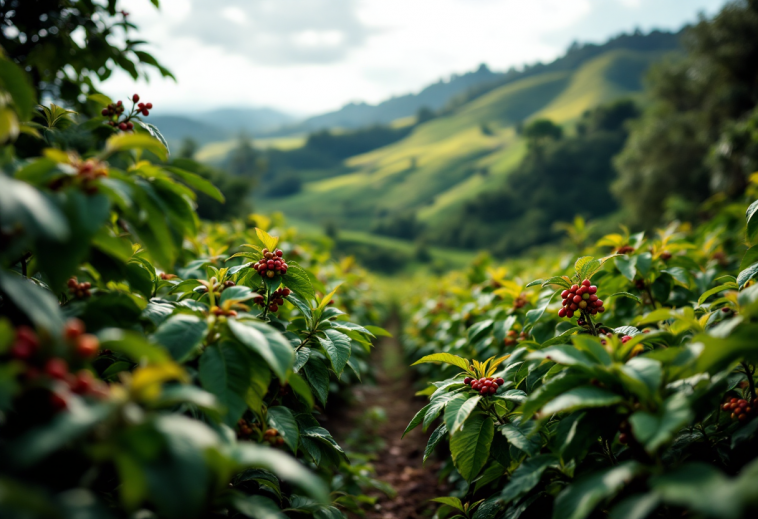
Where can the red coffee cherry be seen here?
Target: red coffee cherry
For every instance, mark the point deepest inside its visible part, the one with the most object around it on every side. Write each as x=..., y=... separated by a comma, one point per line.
x=135, y=98
x=499, y=381
x=87, y=345
x=467, y=380
x=56, y=368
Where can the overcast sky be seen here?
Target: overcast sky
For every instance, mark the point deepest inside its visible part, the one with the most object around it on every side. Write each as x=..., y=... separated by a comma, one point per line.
x=311, y=56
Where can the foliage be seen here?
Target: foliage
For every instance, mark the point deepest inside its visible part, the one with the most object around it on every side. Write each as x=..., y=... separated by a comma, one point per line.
x=521, y=213
x=138, y=375
x=646, y=410
x=696, y=102
x=62, y=45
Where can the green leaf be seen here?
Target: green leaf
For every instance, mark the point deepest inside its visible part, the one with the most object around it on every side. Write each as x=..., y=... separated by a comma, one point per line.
x=16, y=83
x=656, y=430
x=301, y=388
x=23, y=206
x=281, y=419
x=549, y=390
x=38, y=304
x=447, y=358
x=679, y=274
x=181, y=334
x=136, y=141
x=337, y=347
x=534, y=283
x=642, y=376
x=580, y=265
x=752, y=223
x=522, y=435
x=304, y=308
x=746, y=275
x=133, y=345
x=378, y=332
x=716, y=290
x=560, y=281
x=581, y=398
x=297, y=280
x=627, y=266
x=453, y=502
x=701, y=488
x=224, y=370
x=625, y=294
x=236, y=294
x=750, y=257
x=471, y=446
x=197, y=183
x=267, y=240
x=636, y=507
x=458, y=410
x=479, y=330
x=266, y=342
x=439, y=434
x=318, y=376
x=567, y=356
x=248, y=454
x=580, y=498
x=532, y=316
x=527, y=475
x=416, y=420
x=155, y=133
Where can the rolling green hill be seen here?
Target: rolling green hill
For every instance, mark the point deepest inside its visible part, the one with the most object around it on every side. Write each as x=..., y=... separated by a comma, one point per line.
x=451, y=159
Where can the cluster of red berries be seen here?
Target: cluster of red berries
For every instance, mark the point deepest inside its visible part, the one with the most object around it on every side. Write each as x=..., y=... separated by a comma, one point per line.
x=272, y=436
x=485, y=386
x=80, y=290
x=26, y=348
x=271, y=264
x=511, y=340
x=581, y=298
x=117, y=110
x=246, y=428
x=740, y=408
x=276, y=300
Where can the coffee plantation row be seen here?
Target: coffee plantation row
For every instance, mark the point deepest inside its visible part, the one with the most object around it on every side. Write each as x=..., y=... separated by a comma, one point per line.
x=152, y=365
x=615, y=381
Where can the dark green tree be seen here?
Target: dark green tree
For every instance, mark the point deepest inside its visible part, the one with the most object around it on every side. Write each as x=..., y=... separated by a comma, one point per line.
x=696, y=101
x=63, y=45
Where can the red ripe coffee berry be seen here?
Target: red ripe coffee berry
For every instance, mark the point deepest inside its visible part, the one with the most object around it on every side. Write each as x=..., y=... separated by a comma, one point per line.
x=122, y=127
x=601, y=309
x=87, y=345
x=270, y=264
x=623, y=438
x=56, y=368
x=574, y=288
x=145, y=112
x=564, y=294
x=562, y=312
x=83, y=382
x=58, y=402
x=493, y=390
x=726, y=406
x=149, y=106
x=499, y=381
x=104, y=112
x=135, y=98
x=73, y=329
x=286, y=292
x=273, y=307
x=576, y=299
x=581, y=291
x=279, y=253
x=570, y=314
x=129, y=125
x=625, y=339
x=467, y=380
x=665, y=255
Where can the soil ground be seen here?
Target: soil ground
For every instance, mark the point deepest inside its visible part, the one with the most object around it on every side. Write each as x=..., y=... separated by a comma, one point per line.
x=397, y=461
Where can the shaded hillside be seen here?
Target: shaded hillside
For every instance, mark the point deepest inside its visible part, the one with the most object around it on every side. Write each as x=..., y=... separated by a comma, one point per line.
x=449, y=161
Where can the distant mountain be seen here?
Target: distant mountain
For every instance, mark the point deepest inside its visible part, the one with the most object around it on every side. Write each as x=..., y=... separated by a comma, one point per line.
x=219, y=125
x=359, y=115
x=253, y=121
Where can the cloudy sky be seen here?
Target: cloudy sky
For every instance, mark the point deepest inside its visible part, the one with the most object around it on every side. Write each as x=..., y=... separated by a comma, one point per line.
x=311, y=56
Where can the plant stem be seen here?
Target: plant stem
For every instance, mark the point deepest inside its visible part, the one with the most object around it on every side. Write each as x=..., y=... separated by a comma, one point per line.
x=268, y=297
x=650, y=295
x=750, y=381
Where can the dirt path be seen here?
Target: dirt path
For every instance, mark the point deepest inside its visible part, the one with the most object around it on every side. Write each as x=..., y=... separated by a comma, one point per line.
x=397, y=461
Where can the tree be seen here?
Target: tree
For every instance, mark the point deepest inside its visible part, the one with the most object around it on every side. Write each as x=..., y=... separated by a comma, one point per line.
x=695, y=100
x=62, y=44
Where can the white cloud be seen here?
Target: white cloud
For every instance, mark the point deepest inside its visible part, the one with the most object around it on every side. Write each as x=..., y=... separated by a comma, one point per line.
x=309, y=56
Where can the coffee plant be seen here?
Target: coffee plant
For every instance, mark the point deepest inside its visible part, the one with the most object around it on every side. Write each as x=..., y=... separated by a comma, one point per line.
x=152, y=365
x=631, y=395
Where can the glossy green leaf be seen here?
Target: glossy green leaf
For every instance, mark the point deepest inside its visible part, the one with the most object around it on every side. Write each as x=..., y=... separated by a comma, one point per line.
x=471, y=446
x=266, y=342
x=181, y=335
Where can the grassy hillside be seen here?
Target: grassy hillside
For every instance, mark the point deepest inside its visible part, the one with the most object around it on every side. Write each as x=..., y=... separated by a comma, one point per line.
x=449, y=160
